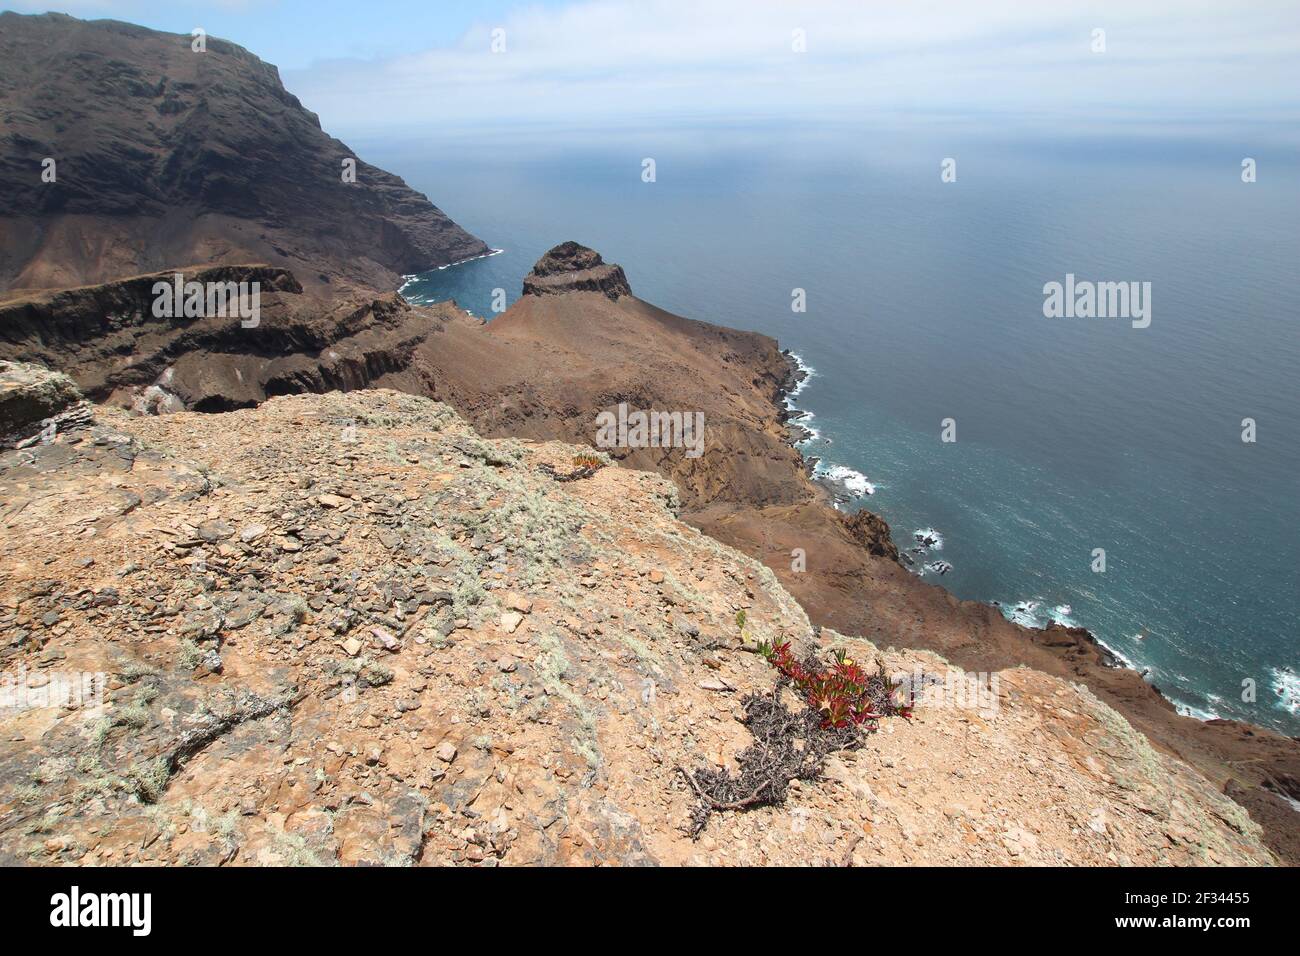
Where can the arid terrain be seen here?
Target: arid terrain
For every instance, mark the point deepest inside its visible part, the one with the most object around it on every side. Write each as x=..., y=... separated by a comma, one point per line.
x=357, y=600
x=343, y=628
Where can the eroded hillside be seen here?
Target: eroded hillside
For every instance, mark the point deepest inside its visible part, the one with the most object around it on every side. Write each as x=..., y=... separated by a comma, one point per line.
x=345, y=628
x=139, y=150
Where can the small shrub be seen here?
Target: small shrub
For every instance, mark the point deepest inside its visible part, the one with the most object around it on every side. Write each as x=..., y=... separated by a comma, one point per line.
x=844, y=702
x=842, y=695
x=191, y=655
x=148, y=780
x=135, y=715
x=134, y=671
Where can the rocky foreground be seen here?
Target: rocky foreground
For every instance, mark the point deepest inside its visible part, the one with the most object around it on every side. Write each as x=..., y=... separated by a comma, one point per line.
x=344, y=628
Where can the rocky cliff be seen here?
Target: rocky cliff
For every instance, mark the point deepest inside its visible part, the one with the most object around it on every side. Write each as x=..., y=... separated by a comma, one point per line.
x=163, y=157
x=111, y=341
x=345, y=628
x=552, y=363
x=570, y=267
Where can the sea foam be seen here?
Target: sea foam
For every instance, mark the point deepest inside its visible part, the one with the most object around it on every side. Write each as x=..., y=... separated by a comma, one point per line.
x=853, y=481
x=1286, y=689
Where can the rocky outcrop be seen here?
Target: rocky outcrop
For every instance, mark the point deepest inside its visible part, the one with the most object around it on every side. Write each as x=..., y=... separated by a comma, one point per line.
x=109, y=339
x=545, y=369
x=570, y=267
x=29, y=396
x=346, y=629
x=872, y=532
x=164, y=157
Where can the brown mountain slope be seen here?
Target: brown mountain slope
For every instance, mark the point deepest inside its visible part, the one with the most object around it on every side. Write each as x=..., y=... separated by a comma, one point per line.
x=551, y=363
x=548, y=366
x=166, y=157
x=398, y=643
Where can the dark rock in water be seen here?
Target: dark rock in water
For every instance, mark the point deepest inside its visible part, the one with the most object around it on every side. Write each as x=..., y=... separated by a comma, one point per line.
x=926, y=540
x=939, y=567
x=570, y=267
x=795, y=376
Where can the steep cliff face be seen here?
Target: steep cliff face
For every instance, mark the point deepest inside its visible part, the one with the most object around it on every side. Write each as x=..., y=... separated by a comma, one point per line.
x=570, y=267
x=345, y=628
x=110, y=340
x=164, y=157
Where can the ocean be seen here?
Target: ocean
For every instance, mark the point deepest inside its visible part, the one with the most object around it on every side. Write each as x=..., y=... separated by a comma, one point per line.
x=925, y=305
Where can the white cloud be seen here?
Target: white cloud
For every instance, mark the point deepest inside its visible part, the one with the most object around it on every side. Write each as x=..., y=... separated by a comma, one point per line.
x=626, y=61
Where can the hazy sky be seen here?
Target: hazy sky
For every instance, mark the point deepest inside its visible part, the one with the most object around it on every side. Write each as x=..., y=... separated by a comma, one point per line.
x=372, y=67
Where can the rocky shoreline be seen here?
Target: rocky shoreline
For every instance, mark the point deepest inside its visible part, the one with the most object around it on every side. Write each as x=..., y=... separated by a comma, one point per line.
x=1258, y=767
x=796, y=376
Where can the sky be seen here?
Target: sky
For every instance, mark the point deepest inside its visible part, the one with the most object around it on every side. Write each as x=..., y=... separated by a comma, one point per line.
x=377, y=67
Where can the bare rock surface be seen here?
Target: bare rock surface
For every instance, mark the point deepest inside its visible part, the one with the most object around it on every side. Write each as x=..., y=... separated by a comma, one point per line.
x=165, y=156
x=344, y=628
x=570, y=267
x=30, y=396
x=108, y=339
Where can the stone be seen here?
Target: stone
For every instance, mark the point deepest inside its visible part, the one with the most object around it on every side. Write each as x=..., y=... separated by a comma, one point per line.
x=29, y=394
x=215, y=530
x=685, y=627
x=385, y=639
x=570, y=267
x=446, y=752
x=352, y=646
x=510, y=621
